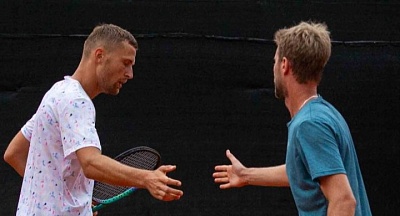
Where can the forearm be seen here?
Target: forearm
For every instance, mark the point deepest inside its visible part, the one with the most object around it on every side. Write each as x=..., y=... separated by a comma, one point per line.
x=113, y=172
x=104, y=169
x=267, y=176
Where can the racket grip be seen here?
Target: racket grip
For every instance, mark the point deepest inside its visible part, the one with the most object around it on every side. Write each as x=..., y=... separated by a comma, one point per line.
x=114, y=199
x=98, y=207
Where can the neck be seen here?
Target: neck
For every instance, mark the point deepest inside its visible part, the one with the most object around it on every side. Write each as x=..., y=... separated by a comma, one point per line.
x=85, y=78
x=295, y=101
x=308, y=99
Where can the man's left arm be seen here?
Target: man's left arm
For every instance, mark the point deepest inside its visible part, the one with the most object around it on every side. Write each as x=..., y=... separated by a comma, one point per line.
x=337, y=191
x=16, y=153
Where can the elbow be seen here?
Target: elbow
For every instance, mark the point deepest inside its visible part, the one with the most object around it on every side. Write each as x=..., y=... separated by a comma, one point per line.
x=87, y=169
x=90, y=168
x=89, y=159
x=92, y=171
x=351, y=203
x=8, y=157
x=89, y=174
x=348, y=204
x=344, y=204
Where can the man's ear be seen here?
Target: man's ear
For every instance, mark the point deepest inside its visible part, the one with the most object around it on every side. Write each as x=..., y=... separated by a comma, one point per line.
x=99, y=54
x=285, y=66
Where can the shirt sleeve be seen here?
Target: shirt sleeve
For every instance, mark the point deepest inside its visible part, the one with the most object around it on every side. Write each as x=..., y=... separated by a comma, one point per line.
x=77, y=125
x=28, y=128
x=319, y=149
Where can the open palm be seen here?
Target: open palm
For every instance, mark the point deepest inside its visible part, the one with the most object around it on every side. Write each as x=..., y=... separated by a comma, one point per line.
x=230, y=175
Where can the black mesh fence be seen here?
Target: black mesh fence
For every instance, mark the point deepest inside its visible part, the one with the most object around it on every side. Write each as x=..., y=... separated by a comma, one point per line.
x=203, y=84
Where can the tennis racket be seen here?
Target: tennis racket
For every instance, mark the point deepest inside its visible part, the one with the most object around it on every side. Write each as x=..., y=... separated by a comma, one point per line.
x=141, y=157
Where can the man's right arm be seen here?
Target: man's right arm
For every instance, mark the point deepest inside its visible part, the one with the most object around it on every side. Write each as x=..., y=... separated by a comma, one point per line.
x=16, y=153
x=102, y=168
x=237, y=175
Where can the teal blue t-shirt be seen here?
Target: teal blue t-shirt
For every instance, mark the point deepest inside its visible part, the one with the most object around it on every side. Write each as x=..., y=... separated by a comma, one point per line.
x=320, y=144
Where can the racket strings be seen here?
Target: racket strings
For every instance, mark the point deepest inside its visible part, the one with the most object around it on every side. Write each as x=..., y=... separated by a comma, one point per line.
x=103, y=191
x=140, y=159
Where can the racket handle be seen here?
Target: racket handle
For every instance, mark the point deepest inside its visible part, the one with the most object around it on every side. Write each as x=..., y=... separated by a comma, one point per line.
x=114, y=199
x=98, y=207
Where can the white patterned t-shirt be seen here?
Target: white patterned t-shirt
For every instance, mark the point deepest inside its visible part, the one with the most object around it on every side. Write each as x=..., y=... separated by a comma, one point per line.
x=54, y=183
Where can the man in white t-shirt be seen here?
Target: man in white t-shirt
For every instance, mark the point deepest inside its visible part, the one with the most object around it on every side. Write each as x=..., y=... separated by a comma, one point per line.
x=58, y=150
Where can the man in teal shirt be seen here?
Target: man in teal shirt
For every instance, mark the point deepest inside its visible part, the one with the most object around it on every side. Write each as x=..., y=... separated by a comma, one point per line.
x=319, y=145
x=321, y=166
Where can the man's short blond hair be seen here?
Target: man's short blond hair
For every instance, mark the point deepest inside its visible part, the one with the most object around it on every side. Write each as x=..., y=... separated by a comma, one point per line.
x=307, y=46
x=109, y=36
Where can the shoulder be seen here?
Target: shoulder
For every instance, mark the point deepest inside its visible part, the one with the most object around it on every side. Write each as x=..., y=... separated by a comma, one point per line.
x=67, y=94
x=315, y=116
x=318, y=110
x=68, y=89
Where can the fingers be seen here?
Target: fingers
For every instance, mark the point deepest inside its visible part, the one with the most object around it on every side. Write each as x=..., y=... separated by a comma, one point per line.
x=169, y=181
x=221, y=168
x=169, y=197
x=230, y=156
x=228, y=176
x=167, y=193
x=93, y=204
x=221, y=176
x=224, y=168
x=160, y=186
x=221, y=171
x=167, y=168
x=173, y=182
x=172, y=194
x=221, y=180
x=225, y=186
